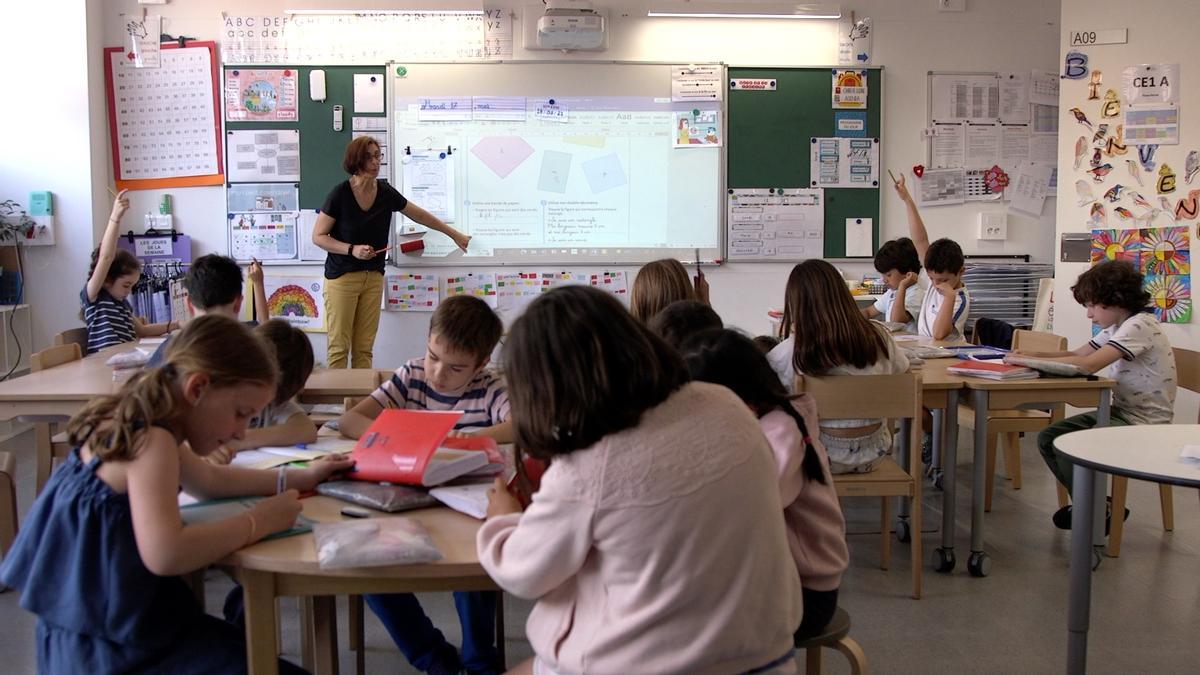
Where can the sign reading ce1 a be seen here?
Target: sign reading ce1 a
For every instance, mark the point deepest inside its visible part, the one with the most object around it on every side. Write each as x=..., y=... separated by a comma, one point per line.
x=1084, y=38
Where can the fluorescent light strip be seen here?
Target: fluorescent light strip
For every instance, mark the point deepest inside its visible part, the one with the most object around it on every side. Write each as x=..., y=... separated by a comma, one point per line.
x=738, y=15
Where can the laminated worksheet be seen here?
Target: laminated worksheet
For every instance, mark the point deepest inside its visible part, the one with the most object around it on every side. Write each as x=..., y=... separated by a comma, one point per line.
x=943, y=186
x=263, y=236
x=844, y=162
x=429, y=181
x=411, y=292
x=480, y=285
x=263, y=155
x=776, y=223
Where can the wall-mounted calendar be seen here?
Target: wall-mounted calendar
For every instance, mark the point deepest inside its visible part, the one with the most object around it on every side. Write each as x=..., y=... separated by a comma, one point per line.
x=164, y=121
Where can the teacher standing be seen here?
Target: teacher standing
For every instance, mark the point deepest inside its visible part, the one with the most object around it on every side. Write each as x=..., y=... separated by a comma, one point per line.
x=354, y=227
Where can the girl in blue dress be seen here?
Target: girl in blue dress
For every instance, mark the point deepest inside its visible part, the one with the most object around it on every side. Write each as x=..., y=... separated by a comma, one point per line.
x=101, y=552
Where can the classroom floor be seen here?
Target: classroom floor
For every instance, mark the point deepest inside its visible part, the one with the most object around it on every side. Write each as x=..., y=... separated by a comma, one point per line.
x=1145, y=604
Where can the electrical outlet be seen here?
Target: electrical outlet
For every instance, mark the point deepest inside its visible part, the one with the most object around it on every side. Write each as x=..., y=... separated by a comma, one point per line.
x=951, y=5
x=993, y=226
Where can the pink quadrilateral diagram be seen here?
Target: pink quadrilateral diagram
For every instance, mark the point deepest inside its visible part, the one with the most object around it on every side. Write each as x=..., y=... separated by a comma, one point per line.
x=502, y=154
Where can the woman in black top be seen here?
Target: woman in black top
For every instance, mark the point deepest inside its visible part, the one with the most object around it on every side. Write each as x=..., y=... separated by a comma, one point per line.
x=353, y=227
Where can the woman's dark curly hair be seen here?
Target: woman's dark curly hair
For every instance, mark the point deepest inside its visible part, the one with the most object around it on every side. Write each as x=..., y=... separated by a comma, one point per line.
x=1112, y=283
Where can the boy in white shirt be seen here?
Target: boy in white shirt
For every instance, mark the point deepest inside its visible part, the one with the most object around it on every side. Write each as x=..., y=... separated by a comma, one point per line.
x=1133, y=344
x=898, y=263
x=947, y=303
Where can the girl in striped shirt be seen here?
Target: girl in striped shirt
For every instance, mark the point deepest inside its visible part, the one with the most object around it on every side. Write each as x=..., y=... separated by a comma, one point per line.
x=106, y=309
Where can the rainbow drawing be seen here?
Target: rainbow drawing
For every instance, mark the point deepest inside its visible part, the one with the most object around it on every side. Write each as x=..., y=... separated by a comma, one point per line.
x=1166, y=251
x=1117, y=245
x=1171, y=297
x=293, y=300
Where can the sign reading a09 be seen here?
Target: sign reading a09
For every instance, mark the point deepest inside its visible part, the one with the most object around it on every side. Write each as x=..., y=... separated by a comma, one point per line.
x=1098, y=37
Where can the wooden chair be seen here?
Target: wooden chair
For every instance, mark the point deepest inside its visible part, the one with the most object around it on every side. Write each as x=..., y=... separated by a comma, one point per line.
x=886, y=397
x=1008, y=425
x=836, y=636
x=1187, y=375
x=8, y=502
x=73, y=336
x=46, y=447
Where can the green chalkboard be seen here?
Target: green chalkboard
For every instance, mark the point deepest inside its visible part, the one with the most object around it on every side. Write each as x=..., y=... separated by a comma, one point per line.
x=769, y=136
x=321, y=148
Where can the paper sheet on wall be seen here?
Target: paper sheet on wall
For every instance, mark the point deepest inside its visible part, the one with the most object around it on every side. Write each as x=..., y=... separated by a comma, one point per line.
x=263, y=236
x=696, y=128
x=261, y=95
x=776, y=224
x=368, y=93
x=142, y=44
x=1152, y=124
x=308, y=250
x=943, y=186
x=262, y=155
x=1151, y=83
x=977, y=189
x=965, y=98
x=429, y=181
x=616, y=283
x=844, y=162
x=276, y=197
x=947, y=146
x=1045, y=118
x=1014, y=146
x=1043, y=88
x=1014, y=98
x=175, y=98
x=858, y=238
x=1027, y=191
x=411, y=292
x=369, y=123
x=982, y=145
x=514, y=291
x=696, y=83
x=298, y=300
x=480, y=285
x=1043, y=147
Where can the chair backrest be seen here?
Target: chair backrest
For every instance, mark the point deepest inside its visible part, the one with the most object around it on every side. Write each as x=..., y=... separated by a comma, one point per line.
x=992, y=333
x=72, y=336
x=1037, y=341
x=1187, y=368
x=382, y=376
x=856, y=396
x=54, y=356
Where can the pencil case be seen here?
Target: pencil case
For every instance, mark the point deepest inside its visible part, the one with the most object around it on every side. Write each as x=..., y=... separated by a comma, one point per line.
x=387, y=498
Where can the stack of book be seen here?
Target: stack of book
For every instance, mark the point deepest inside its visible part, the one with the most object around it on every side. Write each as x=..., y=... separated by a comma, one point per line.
x=992, y=370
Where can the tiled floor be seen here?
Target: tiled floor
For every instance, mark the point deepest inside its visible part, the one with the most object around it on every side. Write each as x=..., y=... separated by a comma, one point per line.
x=1145, y=606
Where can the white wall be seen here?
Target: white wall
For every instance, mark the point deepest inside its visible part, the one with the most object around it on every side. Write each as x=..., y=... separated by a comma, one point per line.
x=50, y=143
x=911, y=38
x=1164, y=35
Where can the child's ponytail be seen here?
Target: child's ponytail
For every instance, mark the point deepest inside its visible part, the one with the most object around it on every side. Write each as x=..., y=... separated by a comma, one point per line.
x=219, y=347
x=811, y=465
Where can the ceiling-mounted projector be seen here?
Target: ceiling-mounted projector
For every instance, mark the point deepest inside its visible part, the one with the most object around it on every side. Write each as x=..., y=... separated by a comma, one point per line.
x=570, y=25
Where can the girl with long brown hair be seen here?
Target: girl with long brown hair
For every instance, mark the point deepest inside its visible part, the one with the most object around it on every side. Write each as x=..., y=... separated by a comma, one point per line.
x=660, y=283
x=826, y=334
x=100, y=553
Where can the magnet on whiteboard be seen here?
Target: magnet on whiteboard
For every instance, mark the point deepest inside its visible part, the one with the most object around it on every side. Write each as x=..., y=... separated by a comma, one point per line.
x=412, y=246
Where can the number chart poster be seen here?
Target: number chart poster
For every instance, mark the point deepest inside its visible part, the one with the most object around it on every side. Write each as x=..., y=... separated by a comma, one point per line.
x=298, y=300
x=261, y=95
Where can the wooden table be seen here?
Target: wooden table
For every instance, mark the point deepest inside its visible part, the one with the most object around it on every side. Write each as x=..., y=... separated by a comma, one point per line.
x=986, y=395
x=1145, y=452
x=288, y=567
x=63, y=390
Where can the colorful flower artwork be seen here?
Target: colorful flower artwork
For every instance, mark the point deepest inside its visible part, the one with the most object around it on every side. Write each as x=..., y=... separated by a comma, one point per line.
x=1116, y=245
x=1165, y=251
x=1171, y=297
x=1163, y=256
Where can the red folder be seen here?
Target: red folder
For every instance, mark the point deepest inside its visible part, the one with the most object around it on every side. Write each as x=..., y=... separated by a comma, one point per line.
x=410, y=446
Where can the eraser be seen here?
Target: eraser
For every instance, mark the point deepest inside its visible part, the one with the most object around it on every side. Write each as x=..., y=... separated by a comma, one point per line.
x=412, y=246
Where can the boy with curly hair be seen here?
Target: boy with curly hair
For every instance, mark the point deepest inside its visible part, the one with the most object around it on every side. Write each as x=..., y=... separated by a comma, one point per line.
x=1133, y=343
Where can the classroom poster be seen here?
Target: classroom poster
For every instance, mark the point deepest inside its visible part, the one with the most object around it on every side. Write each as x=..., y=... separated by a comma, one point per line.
x=263, y=236
x=261, y=95
x=142, y=45
x=697, y=128
x=616, y=283
x=261, y=155
x=298, y=300
x=776, y=224
x=478, y=285
x=844, y=162
x=850, y=89
x=1163, y=256
x=411, y=292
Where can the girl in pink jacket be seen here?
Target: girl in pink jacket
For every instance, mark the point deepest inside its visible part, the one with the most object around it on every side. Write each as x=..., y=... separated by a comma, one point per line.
x=816, y=530
x=651, y=545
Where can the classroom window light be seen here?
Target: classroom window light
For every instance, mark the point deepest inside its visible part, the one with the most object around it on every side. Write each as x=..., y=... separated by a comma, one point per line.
x=466, y=7
x=742, y=9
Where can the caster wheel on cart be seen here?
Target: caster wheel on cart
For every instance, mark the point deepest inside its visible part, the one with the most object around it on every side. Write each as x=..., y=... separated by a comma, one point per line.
x=903, y=531
x=979, y=564
x=943, y=560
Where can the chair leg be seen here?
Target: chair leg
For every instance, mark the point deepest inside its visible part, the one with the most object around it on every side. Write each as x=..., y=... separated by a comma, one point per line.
x=918, y=555
x=1120, y=486
x=355, y=631
x=812, y=661
x=44, y=451
x=1168, y=507
x=854, y=654
x=500, y=651
x=885, y=532
x=989, y=483
x=1063, y=497
x=1012, y=458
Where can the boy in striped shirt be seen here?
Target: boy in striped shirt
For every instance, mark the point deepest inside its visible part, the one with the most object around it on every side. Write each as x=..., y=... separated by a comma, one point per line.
x=451, y=376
